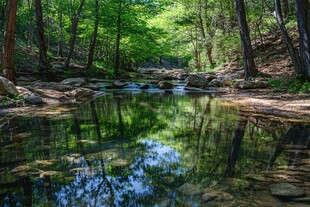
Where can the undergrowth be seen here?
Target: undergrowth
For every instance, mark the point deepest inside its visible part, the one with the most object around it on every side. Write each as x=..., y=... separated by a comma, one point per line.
x=290, y=85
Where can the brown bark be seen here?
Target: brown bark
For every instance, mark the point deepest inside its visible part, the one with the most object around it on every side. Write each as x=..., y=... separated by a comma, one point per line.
x=9, y=41
x=74, y=28
x=43, y=61
x=93, y=42
x=30, y=25
x=247, y=53
x=286, y=38
x=303, y=19
x=208, y=47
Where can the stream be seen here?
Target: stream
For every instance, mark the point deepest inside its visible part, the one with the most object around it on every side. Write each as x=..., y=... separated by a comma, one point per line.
x=137, y=148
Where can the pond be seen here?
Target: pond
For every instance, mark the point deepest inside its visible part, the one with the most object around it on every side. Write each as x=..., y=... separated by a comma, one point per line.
x=151, y=149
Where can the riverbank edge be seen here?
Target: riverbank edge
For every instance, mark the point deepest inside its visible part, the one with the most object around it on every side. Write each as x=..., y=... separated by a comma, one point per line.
x=290, y=107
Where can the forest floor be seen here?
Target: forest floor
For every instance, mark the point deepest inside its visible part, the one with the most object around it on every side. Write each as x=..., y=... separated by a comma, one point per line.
x=272, y=60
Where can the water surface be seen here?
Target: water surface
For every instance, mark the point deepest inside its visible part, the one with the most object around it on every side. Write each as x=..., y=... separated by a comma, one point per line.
x=145, y=149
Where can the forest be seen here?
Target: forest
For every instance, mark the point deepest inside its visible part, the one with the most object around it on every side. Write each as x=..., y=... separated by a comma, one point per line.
x=154, y=103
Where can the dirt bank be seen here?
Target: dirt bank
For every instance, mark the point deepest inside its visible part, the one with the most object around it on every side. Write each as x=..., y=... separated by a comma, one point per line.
x=270, y=103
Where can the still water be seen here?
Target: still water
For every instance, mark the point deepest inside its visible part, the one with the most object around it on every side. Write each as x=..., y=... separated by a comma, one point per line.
x=148, y=149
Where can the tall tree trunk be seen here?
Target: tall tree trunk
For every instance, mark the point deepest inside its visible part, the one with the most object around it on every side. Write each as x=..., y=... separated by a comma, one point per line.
x=9, y=41
x=286, y=38
x=75, y=24
x=303, y=19
x=30, y=25
x=43, y=61
x=92, y=45
x=207, y=46
x=60, y=38
x=118, y=39
x=247, y=53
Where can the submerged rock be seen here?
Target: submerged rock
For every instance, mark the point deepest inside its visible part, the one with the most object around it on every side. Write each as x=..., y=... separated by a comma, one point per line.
x=286, y=190
x=7, y=87
x=189, y=189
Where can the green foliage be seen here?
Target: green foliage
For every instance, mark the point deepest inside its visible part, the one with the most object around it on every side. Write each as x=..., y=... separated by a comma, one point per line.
x=298, y=85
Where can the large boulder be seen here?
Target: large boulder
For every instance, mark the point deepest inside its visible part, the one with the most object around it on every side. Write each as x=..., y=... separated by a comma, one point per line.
x=196, y=80
x=75, y=82
x=286, y=190
x=81, y=94
x=250, y=84
x=165, y=85
x=7, y=87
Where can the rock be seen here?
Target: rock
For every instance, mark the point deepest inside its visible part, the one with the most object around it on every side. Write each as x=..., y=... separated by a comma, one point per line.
x=92, y=86
x=165, y=85
x=119, y=84
x=52, y=86
x=250, y=84
x=167, y=77
x=144, y=86
x=76, y=82
x=222, y=196
x=197, y=80
x=302, y=200
x=189, y=189
x=22, y=168
x=96, y=80
x=7, y=87
x=33, y=99
x=99, y=93
x=211, y=77
x=286, y=190
x=187, y=88
x=293, y=204
x=120, y=163
x=80, y=93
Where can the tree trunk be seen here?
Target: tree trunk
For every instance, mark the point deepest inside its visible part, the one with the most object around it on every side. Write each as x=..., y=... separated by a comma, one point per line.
x=43, y=61
x=285, y=8
x=60, y=39
x=303, y=19
x=30, y=25
x=9, y=41
x=75, y=24
x=92, y=45
x=286, y=38
x=208, y=47
x=118, y=39
x=247, y=53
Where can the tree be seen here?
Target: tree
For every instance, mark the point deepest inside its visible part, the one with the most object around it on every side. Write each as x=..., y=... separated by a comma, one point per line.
x=93, y=41
x=74, y=28
x=9, y=41
x=286, y=38
x=247, y=53
x=118, y=38
x=303, y=19
x=43, y=61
